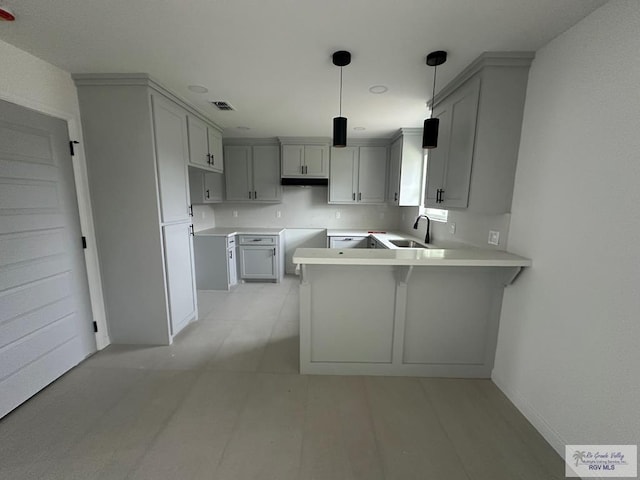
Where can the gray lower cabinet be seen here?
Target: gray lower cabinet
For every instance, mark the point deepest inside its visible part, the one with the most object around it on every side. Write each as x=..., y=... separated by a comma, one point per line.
x=137, y=153
x=348, y=242
x=215, y=259
x=260, y=257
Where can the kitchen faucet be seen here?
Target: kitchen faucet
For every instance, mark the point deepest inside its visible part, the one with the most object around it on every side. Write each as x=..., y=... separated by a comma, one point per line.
x=415, y=226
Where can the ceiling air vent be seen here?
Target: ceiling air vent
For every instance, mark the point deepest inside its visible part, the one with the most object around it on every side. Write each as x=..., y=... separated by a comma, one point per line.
x=224, y=106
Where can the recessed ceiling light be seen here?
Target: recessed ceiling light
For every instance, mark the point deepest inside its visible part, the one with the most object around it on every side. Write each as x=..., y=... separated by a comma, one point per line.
x=243, y=128
x=198, y=89
x=378, y=89
x=359, y=129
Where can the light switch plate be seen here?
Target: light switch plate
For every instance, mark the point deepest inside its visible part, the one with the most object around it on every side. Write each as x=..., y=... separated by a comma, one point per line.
x=494, y=237
x=338, y=214
x=235, y=213
x=452, y=228
x=278, y=213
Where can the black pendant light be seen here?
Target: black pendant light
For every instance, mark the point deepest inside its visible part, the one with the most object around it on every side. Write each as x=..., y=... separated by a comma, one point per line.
x=430, y=131
x=341, y=59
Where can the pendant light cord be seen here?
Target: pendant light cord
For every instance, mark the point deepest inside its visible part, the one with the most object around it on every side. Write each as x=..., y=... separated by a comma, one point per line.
x=433, y=95
x=340, y=91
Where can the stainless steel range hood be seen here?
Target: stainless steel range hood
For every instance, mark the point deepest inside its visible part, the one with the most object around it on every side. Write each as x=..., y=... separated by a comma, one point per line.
x=302, y=181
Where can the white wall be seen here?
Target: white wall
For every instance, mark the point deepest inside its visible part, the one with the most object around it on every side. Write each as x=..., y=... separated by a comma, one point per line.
x=306, y=207
x=568, y=351
x=28, y=81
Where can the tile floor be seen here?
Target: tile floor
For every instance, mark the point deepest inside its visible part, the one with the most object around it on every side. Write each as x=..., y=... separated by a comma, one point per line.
x=226, y=402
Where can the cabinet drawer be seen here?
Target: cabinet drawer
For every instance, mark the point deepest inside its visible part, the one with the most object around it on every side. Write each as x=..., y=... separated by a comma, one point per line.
x=257, y=240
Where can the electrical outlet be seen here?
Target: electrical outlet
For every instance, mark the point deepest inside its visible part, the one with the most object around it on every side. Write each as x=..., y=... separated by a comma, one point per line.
x=494, y=237
x=452, y=228
x=278, y=213
x=338, y=214
x=235, y=213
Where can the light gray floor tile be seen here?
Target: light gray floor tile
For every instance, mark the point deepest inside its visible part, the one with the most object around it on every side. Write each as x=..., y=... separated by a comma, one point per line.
x=411, y=440
x=282, y=353
x=339, y=439
x=200, y=429
x=267, y=442
x=487, y=446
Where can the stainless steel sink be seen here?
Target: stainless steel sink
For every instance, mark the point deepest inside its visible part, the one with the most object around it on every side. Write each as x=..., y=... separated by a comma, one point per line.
x=408, y=244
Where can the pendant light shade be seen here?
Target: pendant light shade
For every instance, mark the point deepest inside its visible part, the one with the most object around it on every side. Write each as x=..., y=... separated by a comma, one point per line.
x=430, y=131
x=339, y=132
x=341, y=59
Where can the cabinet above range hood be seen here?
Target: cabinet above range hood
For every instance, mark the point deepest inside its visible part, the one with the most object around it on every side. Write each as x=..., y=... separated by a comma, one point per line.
x=305, y=181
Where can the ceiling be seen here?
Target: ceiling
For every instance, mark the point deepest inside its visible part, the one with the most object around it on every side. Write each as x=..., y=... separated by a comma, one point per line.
x=271, y=59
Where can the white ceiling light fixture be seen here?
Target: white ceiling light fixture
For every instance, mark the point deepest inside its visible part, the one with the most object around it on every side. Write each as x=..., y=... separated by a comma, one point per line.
x=378, y=89
x=198, y=89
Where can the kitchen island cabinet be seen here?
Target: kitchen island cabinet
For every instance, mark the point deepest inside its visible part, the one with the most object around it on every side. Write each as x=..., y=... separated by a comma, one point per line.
x=399, y=311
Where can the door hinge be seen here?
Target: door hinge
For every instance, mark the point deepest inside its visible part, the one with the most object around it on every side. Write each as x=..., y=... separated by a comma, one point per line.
x=95, y=327
x=71, y=144
x=84, y=242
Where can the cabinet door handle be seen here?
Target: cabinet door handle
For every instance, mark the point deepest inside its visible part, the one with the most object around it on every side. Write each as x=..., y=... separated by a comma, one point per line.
x=274, y=251
x=208, y=159
x=231, y=254
x=191, y=210
x=301, y=170
x=213, y=159
x=255, y=195
x=353, y=196
x=306, y=169
x=359, y=196
x=207, y=193
x=440, y=196
x=249, y=194
x=191, y=230
x=395, y=197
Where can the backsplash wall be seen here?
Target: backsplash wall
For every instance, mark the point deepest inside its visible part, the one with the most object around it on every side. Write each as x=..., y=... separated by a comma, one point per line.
x=305, y=207
x=471, y=228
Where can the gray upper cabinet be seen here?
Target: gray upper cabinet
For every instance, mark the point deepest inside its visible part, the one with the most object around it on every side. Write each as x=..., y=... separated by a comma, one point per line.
x=205, y=187
x=406, y=164
x=215, y=150
x=305, y=161
x=205, y=145
x=480, y=114
x=252, y=173
x=358, y=175
x=170, y=128
x=137, y=152
x=449, y=165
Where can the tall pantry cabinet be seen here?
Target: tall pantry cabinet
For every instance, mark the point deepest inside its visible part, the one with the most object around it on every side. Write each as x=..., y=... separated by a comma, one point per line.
x=137, y=151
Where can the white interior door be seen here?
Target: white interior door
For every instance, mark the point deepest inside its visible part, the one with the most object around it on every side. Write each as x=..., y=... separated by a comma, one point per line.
x=45, y=314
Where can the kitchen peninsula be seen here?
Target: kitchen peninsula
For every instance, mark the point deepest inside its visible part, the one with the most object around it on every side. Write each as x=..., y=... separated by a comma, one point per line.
x=413, y=312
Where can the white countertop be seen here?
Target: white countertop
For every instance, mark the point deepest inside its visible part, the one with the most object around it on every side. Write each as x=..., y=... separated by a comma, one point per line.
x=459, y=257
x=230, y=231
